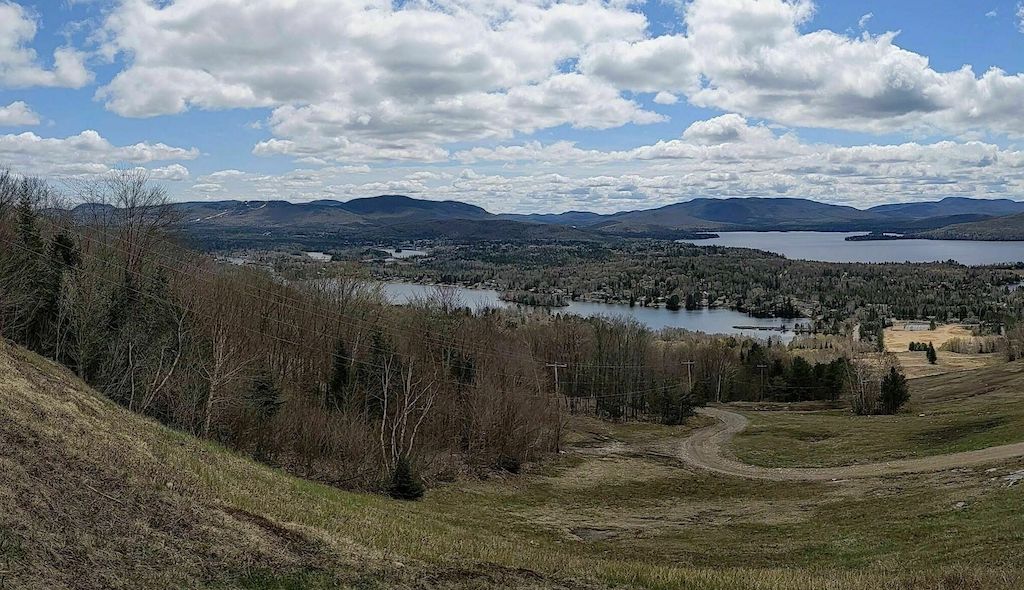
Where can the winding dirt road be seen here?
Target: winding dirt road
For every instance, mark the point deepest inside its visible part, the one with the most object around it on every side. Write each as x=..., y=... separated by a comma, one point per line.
x=706, y=449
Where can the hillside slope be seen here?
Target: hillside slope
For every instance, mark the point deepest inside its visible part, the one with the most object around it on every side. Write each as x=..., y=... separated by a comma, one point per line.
x=1010, y=227
x=951, y=206
x=92, y=496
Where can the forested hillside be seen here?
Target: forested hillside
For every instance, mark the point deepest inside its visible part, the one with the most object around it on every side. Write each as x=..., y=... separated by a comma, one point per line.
x=323, y=377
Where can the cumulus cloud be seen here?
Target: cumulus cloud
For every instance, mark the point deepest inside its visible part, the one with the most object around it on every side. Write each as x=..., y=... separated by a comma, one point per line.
x=371, y=80
x=366, y=80
x=87, y=154
x=20, y=66
x=1020, y=17
x=720, y=157
x=665, y=98
x=17, y=114
x=752, y=57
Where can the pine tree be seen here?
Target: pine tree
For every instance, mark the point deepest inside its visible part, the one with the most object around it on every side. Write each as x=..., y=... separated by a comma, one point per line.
x=263, y=396
x=673, y=303
x=933, y=358
x=337, y=387
x=404, y=483
x=894, y=391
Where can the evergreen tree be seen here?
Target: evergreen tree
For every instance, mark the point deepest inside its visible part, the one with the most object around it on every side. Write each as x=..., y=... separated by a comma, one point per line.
x=894, y=391
x=932, y=356
x=672, y=303
x=263, y=396
x=404, y=483
x=880, y=339
x=337, y=387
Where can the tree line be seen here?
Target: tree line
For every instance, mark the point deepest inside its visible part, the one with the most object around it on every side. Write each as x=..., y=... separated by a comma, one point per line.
x=324, y=378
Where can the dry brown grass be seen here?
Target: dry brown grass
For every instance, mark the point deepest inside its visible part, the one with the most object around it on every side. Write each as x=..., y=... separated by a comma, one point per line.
x=915, y=364
x=898, y=340
x=92, y=496
x=617, y=509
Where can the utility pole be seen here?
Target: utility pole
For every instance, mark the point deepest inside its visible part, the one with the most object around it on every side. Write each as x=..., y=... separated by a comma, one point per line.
x=762, y=367
x=689, y=373
x=558, y=401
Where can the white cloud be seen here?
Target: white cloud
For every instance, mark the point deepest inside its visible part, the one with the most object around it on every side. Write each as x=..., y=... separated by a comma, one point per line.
x=991, y=14
x=864, y=20
x=1020, y=17
x=86, y=154
x=172, y=173
x=665, y=98
x=362, y=80
x=720, y=157
x=17, y=114
x=354, y=81
x=19, y=64
x=752, y=57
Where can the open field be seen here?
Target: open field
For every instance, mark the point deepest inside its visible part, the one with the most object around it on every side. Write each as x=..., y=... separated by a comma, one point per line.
x=618, y=509
x=947, y=413
x=898, y=340
x=915, y=364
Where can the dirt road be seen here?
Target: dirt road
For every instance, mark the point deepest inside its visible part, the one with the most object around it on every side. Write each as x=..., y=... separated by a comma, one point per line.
x=706, y=449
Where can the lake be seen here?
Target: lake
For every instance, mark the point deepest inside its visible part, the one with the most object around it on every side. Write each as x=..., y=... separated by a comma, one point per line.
x=710, y=321
x=401, y=254
x=833, y=247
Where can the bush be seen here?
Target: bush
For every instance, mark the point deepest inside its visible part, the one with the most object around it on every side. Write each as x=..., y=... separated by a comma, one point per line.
x=404, y=483
x=894, y=391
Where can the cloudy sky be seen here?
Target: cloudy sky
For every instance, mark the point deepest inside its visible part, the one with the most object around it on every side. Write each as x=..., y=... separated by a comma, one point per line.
x=521, y=105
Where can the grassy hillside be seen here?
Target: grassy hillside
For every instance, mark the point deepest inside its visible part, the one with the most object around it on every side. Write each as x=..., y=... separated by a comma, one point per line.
x=1010, y=227
x=94, y=497
x=948, y=413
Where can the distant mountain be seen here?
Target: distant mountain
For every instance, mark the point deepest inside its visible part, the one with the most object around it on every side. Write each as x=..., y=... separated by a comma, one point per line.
x=741, y=214
x=326, y=223
x=390, y=206
x=951, y=206
x=389, y=217
x=1010, y=228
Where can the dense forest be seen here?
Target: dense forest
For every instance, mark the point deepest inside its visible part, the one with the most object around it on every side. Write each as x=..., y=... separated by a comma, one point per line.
x=324, y=378
x=641, y=271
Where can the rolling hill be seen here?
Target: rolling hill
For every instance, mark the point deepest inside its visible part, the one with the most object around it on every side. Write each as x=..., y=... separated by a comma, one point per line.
x=94, y=497
x=1010, y=228
x=324, y=223
x=742, y=214
x=951, y=206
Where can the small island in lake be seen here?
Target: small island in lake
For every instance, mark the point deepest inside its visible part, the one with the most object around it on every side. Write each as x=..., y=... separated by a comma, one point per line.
x=877, y=237
x=535, y=299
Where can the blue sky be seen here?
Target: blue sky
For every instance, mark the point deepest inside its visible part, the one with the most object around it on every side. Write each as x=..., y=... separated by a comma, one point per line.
x=520, y=106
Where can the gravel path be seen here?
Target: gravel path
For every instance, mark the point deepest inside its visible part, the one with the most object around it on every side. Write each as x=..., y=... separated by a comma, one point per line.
x=706, y=449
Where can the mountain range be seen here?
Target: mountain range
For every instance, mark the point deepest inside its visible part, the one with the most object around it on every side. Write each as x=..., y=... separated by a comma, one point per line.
x=395, y=217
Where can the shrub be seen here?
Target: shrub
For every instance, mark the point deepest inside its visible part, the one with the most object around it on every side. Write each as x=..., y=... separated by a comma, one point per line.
x=894, y=391
x=404, y=483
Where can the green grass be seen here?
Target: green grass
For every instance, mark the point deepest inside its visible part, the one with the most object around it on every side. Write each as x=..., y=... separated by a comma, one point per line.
x=647, y=522
x=618, y=511
x=961, y=412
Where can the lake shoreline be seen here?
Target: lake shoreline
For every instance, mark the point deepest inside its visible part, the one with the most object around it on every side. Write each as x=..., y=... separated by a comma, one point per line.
x=835, y=247
x=709, y=320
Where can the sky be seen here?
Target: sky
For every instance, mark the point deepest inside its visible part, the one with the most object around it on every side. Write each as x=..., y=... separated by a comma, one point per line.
x=520, y=105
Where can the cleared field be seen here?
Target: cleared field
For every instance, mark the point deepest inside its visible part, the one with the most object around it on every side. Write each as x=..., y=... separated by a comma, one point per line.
x=947, y=413
x=915, y=364
x=898, y=340
x=618, y=509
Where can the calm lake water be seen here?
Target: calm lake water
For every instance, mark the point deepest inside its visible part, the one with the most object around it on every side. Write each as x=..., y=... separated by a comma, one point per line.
x=710, y=321
x=832, y=247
